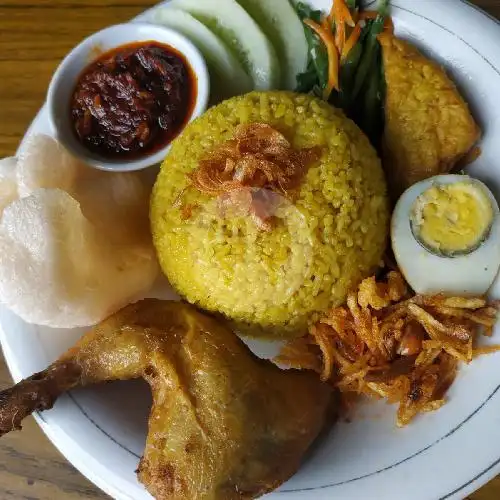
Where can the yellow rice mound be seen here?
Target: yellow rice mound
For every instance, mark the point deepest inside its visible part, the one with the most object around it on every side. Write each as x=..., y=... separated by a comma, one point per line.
x=329, y=236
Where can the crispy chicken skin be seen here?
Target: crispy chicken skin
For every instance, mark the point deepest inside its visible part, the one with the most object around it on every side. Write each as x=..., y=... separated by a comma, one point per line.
x=428, y=124
x=224, y=423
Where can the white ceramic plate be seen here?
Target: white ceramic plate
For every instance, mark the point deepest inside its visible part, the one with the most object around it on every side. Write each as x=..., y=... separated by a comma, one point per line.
x=442, y=455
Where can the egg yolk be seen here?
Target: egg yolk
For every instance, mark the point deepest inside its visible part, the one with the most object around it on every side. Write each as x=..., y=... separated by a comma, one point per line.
x=452, y=219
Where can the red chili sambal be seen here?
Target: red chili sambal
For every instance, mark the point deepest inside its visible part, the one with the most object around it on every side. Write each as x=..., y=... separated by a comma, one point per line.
x=133, y=100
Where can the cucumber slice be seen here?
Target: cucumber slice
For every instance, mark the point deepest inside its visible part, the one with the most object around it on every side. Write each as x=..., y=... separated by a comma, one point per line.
x=230, y=22
x=226, y=72
x=282, y=25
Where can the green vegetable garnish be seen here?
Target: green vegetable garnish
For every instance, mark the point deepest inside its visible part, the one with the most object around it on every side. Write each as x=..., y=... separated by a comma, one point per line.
x=360, y=75
x=372, y=100
x=317, y=53
x=369, y=54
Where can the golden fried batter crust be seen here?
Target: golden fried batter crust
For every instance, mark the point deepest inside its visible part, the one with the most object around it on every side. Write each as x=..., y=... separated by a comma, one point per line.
x=428, y=124
x=225, y=425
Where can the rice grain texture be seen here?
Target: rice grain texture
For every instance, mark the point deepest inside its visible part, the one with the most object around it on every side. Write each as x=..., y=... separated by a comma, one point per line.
x=328, y=237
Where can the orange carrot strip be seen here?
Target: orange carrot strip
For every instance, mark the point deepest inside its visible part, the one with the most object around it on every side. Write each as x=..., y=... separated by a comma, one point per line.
x=326, y=24
x=344, y=14
x=333, y=57
x=340, y=36
x=351, y=41
x=332, y=14
x=340, y=13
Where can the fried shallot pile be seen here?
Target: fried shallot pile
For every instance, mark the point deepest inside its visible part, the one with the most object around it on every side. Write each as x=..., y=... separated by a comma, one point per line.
x=243, y=171
x=388, y=343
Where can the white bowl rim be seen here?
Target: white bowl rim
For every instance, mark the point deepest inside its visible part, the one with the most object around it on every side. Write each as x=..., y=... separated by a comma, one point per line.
x=128, y=33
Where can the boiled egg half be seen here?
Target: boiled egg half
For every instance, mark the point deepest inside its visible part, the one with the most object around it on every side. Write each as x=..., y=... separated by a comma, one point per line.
x=445, y=234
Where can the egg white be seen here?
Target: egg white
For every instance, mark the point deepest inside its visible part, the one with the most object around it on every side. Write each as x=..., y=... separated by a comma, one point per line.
x=426, y=273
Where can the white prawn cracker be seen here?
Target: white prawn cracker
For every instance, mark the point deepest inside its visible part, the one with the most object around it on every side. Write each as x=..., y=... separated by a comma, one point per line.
x=76, y=247
x=8, y=182
x=44, y=163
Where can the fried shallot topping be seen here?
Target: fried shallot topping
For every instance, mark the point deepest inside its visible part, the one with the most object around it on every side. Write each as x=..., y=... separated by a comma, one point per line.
x=257, y=158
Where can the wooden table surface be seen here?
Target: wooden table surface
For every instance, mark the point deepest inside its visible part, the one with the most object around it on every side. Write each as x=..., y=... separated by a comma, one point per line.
x=34, y=36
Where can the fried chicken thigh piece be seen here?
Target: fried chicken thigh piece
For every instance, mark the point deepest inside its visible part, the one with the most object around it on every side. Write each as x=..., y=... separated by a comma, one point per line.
x=429, y=127
x=224, y=423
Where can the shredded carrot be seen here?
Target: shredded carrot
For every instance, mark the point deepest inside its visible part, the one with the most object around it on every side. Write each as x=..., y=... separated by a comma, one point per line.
x=326, y=24
x=340, y=36
x=332, y=14
x=351, y=41
x=333, y=56
x=344, y=14
x=340, y=15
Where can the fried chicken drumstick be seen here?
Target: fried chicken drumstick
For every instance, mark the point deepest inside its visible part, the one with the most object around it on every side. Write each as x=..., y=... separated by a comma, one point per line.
x=224, y=424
